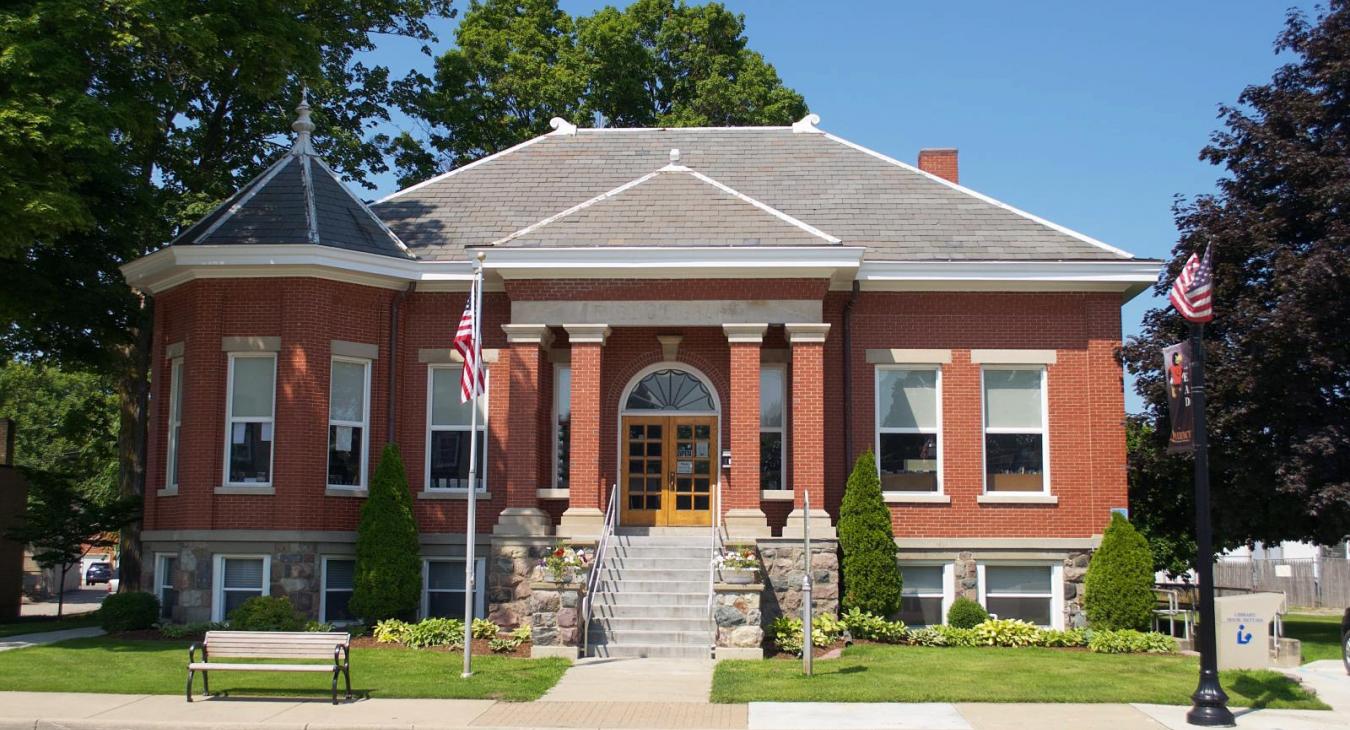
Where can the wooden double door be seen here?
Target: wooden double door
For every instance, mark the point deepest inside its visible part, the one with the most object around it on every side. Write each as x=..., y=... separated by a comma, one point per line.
x=670, y=469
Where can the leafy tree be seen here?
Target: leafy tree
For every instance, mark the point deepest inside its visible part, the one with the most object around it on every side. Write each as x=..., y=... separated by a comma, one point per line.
x=871, y=573
x=62, y=525
x=388, y=580
x=517, y=64
x=66, y=420
x=1120, y=580
x=121, y=121
x=1162, y=502
x=1278, y=350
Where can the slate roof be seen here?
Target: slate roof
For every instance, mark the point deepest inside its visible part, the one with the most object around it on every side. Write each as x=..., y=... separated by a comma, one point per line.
x=893, y=210
x=655, y=210
x=298, y=200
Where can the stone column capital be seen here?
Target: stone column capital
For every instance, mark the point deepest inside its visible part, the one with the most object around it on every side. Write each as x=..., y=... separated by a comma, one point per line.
x=752, y=334
x=528, y=334
x=587, y=334
x=803, y=333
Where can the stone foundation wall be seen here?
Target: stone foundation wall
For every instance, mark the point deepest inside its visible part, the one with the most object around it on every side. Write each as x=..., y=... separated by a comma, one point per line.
x=1075, y=574
x=784, y=566
x=512, y=566
x=295, y=573
x=554, y=611
x=739, y=619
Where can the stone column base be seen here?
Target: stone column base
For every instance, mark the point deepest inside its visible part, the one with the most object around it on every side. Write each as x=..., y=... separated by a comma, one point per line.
x=582, y=523
x=746, y=524
x=523, y=522
x=821, y=526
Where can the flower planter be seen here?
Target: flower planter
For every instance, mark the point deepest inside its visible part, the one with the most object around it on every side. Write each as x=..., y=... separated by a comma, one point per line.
x=738, y=576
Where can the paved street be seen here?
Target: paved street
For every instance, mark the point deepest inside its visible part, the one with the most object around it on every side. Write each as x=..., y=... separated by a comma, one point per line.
x=82, y=600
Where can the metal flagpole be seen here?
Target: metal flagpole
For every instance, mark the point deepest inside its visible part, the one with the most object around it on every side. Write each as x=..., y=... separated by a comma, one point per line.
x=808, y=632
x=1210, y=702
x=470, y=574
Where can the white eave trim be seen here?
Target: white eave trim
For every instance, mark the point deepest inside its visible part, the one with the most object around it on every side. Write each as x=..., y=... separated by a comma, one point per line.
x=751, y=262
x=1129, y=277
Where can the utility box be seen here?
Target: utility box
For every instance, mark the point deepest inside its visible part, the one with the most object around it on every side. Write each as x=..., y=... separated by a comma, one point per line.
x=1243, y=623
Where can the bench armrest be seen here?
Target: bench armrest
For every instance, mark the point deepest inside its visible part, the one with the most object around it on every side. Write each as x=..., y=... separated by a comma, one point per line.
x=192, y=653
x=341, y=656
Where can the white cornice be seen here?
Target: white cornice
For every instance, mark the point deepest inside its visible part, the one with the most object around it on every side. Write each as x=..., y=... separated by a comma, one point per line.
x=673, y=262
x=1129, y=277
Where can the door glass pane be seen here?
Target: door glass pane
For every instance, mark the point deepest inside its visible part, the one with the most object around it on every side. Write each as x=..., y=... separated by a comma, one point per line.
x=252, y=389
x=771, y=397
x=347, y=392
x=1017, y=579
x=1012, y=398
x=907, y=398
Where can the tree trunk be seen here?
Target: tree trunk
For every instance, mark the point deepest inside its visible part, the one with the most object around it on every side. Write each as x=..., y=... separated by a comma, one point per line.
x=133, y=391
x=61, y=592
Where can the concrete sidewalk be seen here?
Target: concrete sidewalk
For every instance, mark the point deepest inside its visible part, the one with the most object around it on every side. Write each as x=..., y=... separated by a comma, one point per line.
x=23, y=641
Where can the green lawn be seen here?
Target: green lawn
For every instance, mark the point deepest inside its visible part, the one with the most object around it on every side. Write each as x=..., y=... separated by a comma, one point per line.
x=877, y=673
x=37, y=624
x=159, y=667
x=1320, y=635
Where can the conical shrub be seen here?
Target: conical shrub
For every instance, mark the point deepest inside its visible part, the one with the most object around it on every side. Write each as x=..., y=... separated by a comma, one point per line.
x=871, y=573
x=388, y=580
x=1120, y=580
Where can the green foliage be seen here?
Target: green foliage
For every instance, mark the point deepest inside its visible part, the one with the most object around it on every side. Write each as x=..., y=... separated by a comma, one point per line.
x=1120, y=580
x=388, y=577
x=957, y=636
x=786, y=632
x=319, y=626
x=874, y=628
x=266, y=613
x=1066, y=638
x=67, y=422
x=928, y=636
x=129, y=612
x=189, y=631
x=966, y=614
x=485, y=629
x=1007, y=632
x=391, y=631
x=436, y=632
x=504, y=645
x=871, y=576
x=1129, y=641
x=522, y=632
x=1158, y=508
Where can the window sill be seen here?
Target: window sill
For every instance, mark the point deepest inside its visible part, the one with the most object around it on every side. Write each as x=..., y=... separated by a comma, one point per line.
x=1012, y=498
x=553, y=493
x=166, y=492
x=916, y=498
x=345, y=492
x=775, y=495
x=452, y=494
x=259, y=489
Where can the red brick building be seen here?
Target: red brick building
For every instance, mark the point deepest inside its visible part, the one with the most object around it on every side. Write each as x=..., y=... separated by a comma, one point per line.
x=707, y=325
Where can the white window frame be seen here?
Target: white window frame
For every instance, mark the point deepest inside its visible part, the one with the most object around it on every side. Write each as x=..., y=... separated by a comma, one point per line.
x=1056, y=587
x=558, y=369
x=1044, y=430
x=323, y=586
x=363, y=424
x=482, y=426
x=937, y=431
x=175, y=421
x=948, y=582
x=160, y=576
x=230, y=419
x=782, y=430
x=218, y=580
x=480, y=577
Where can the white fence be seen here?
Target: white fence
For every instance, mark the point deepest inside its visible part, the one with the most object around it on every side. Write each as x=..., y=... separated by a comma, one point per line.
x=1306, y=582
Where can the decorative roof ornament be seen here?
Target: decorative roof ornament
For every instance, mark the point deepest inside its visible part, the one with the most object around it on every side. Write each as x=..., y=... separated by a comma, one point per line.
x=806, y=124
x=562, y=126
x=302, y=125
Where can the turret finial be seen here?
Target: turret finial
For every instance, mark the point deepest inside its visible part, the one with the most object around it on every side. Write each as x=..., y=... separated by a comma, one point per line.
x=302, y=124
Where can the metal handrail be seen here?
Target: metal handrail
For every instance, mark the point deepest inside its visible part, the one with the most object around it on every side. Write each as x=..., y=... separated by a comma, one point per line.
x=716, y=547
x=593, y=580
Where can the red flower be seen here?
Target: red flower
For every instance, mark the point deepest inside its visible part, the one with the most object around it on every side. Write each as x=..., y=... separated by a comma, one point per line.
x=559, y=553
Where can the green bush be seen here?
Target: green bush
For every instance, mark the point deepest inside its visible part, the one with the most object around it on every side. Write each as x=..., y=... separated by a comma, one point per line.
x=966, y=614
x=388, y=579
x=957, y=636
x=867, y=626
x=504, y=645
x=485, y=629
x=1120, y=580
x=391, y=631
x=129, y=612
x=929, y=636
x=1129, y=641
x=871, y=574
x=266, y=613
x=436, y=632
x=1007, y=632
x=319, y=626
x=1071, y=637
x=189, y=631
x=786, y=632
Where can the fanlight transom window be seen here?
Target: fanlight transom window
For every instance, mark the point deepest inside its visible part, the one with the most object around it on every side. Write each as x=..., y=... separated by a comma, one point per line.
x=670, y=390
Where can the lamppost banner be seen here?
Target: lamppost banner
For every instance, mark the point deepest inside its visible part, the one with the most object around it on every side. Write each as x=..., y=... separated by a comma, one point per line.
x=1177, y=374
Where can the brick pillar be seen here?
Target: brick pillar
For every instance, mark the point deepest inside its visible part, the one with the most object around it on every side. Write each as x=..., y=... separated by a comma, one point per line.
x=808, y=428
x=740, y=503
x=584, y=517
x=525, y=345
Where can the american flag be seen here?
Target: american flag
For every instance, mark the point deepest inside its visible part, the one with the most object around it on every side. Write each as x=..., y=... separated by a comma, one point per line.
x=1193, y=291
x=471, y=381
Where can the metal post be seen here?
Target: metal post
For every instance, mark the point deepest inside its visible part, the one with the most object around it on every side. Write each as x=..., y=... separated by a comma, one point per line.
x=1210, y=702
x=808, y=646
x=470, y=574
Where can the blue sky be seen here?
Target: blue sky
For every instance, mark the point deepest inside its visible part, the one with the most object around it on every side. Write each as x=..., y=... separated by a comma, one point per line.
x=1088, y=114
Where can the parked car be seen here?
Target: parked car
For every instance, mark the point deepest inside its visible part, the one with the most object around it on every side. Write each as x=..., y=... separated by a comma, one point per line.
x=1345, y=640
x=98, y=573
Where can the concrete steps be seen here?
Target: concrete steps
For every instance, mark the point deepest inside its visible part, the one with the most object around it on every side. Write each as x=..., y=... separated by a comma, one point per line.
x=652, y=596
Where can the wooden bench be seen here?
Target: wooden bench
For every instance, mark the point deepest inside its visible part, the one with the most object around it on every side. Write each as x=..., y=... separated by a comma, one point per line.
x=271, y=645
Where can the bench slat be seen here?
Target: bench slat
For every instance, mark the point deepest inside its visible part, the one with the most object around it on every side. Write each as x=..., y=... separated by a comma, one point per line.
x=223, y=667
x=274, y=644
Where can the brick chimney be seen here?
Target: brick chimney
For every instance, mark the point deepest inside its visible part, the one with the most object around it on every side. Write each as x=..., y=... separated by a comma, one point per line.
x=940, y=161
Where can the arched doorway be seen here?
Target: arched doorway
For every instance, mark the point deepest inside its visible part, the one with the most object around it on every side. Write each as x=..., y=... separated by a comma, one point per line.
x=668, y=448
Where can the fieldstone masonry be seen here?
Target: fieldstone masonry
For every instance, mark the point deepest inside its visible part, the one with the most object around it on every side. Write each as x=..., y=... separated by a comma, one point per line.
x=511, y=568
x=1075, y=573
x=784, y=567
x=739, y=619
x=554, y=611
x=294, y=573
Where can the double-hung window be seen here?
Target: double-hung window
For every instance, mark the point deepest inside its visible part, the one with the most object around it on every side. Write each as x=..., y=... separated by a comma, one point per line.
x=926, y=593
x=448, y=432
x=248, y=438
x=562, y=424
x=1031, y=593
x=1016, y=450
x=443, y=587
x=237, y=579
x=339, y=576
x=165, y=566
x=772, y=426
x=175, y=421
x=348, y=422
x=909, y=433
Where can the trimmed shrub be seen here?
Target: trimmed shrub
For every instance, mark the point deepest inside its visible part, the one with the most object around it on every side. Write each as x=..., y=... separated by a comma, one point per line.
x=1007, y=632
x=1129, y=641
x=966, y=614
x=189, y=631
x=956, y=636
x=436, y=632
x=388, y=578
x=391, y=631
x=266, y=613
x=871, y=574
x=1120, y=580
x=129, y=612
